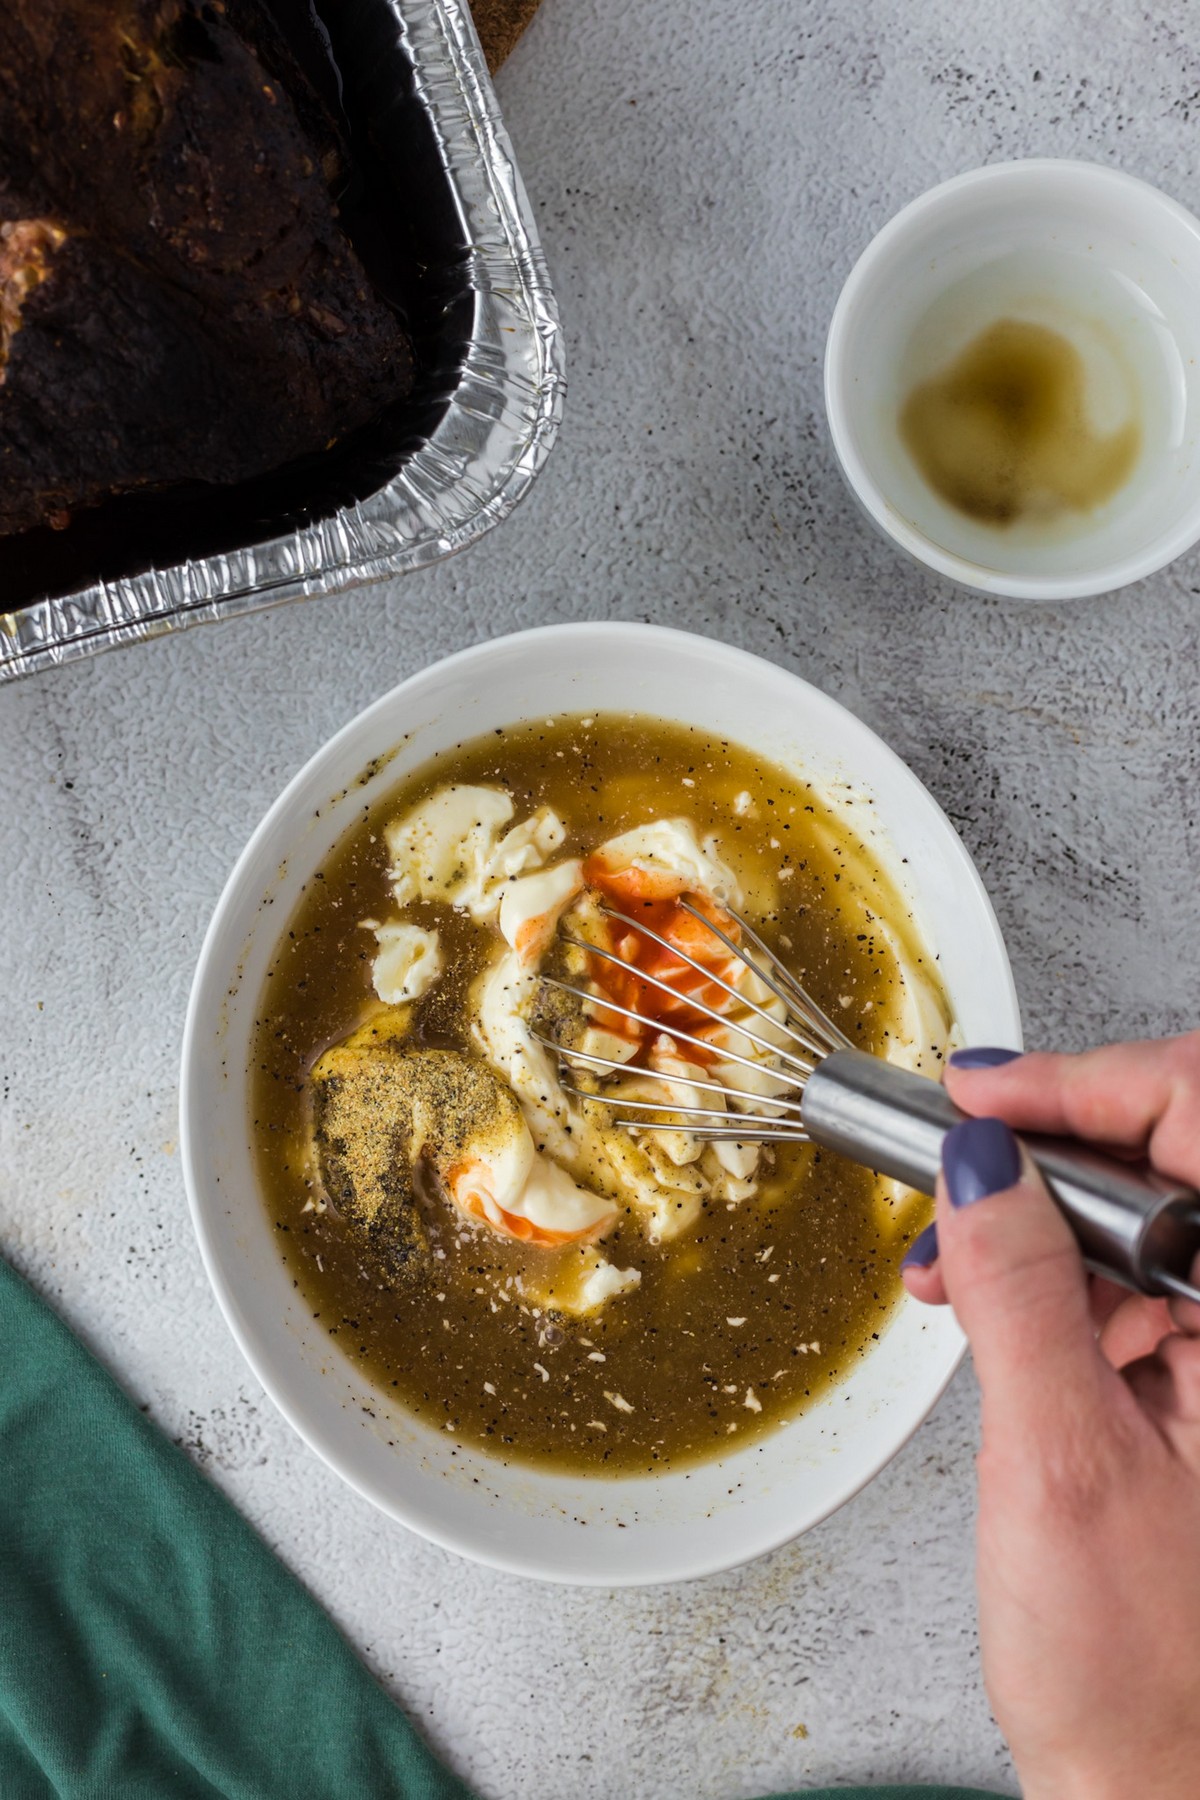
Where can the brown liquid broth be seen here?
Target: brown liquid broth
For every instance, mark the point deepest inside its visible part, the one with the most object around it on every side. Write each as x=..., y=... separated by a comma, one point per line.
x=431, y=1342
x=1003, y=433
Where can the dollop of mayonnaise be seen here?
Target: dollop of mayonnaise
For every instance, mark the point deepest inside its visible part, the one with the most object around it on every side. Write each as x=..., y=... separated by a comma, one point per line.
x=453, y=848
x=531, y=906
x=672, y=849
x=409, y=961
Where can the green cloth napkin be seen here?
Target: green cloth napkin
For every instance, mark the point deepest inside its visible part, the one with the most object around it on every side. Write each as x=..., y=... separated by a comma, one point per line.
x=151, y=1646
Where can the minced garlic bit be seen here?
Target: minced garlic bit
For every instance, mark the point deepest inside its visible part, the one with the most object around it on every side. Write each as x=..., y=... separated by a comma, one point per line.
x=544, y=1373
x=595, y=1425
x=596, y=1355
x=619, y=1401
x=735, y=1321
x=752, y=1401
x=488, y=1388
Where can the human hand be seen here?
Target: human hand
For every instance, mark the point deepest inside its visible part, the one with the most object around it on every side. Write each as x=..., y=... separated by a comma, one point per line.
x=1088, y=1550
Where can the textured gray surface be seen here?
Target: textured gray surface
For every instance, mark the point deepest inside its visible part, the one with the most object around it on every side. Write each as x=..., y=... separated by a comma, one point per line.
x=704, y=176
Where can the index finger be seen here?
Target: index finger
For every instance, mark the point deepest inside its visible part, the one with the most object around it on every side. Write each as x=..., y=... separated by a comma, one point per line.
x=1140, y=1096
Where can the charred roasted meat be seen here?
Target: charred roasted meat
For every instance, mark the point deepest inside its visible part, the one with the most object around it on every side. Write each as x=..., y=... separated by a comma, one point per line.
x=178, y=300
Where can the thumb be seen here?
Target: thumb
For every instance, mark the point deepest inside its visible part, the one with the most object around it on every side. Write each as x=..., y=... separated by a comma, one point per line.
x=1016, y=1280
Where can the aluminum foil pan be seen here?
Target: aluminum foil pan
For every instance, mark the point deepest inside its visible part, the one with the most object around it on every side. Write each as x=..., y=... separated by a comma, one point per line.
x=482, y=435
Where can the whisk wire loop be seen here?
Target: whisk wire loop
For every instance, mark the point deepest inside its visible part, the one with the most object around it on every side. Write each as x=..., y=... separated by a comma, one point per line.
x=601, y=1000
x=759, y=1133
x=591, y=1058
x=672, y=1031
x=711, y=974
x=796, y=995
x=680, y=1113
x=802, y=1039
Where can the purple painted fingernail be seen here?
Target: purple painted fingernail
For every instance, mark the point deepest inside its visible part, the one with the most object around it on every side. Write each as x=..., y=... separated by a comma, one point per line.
x=923, y=1251
x=982, y=1058
x=979, y=1157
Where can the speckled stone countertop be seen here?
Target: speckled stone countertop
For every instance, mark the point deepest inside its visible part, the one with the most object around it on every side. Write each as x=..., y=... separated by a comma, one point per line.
x=704, y=176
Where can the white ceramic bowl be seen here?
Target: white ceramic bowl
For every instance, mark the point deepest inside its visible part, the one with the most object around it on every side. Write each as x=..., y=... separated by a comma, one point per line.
x=1107, y=260
x=564, y=1528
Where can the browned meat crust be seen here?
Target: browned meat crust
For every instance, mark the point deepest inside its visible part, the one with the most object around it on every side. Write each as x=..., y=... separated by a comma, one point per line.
x=178, y=300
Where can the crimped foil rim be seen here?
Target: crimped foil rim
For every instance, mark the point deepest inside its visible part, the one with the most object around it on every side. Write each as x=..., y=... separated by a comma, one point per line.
x=469, y=475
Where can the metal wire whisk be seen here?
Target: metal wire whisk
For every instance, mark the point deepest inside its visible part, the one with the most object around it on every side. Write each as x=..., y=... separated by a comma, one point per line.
x=810, y=1036
x=1133, y=1225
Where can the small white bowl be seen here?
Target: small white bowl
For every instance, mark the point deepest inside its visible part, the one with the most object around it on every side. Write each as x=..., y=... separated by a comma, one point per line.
x=565, y=1527
x=1099, y=255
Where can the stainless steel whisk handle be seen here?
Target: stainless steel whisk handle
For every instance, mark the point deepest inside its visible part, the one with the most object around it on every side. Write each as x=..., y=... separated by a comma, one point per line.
x=1132, y=1225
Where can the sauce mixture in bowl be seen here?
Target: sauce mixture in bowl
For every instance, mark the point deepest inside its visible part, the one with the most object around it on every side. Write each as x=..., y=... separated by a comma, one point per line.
x=498, y=1253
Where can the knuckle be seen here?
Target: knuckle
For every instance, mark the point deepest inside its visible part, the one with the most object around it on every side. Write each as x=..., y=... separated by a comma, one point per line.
x=1088, y=1091
x=1181, y=1357
x=1089, y=1112
x=975, y=1262
x=1183, y=1058
x=997, y=1257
